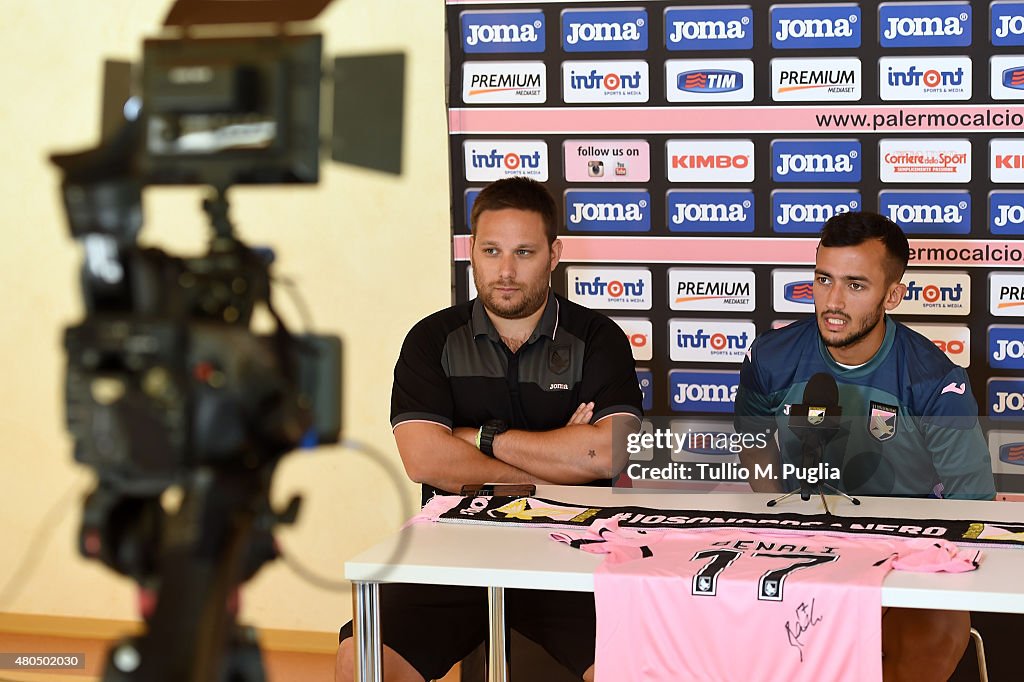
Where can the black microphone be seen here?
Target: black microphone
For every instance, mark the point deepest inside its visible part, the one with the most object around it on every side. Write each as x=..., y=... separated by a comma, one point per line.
x=815, y=421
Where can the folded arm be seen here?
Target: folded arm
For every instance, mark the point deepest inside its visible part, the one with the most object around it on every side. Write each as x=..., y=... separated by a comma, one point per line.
x=433, y=455
x=573, y=454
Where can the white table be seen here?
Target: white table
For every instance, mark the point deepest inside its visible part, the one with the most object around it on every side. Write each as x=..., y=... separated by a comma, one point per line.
x=503, y=557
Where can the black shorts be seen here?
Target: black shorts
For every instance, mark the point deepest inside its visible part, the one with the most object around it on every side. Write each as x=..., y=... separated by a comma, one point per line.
x=433, y=627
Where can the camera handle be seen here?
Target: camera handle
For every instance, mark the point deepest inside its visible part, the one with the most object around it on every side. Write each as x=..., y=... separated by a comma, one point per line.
x=208, y=548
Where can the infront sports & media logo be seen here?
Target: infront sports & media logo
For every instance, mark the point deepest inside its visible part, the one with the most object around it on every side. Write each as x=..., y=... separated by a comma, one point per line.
x=936, y=293
x=487, y=160
x=610, y=288
x=495, y=32
x=693, y=340
x=709, y=28
x=587, y=82
x=925, y=78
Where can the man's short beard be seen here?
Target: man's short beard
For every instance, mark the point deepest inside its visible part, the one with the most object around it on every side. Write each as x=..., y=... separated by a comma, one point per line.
x=532, y=301
x=854, y=336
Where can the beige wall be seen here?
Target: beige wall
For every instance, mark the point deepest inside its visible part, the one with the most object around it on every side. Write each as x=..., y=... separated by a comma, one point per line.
x=370, y=254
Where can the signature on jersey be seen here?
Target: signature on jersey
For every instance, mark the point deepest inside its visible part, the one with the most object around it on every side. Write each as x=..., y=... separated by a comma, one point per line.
x=804, y=621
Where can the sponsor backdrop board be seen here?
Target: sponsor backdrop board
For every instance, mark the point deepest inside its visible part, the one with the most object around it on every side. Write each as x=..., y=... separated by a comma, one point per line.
x=696, y=149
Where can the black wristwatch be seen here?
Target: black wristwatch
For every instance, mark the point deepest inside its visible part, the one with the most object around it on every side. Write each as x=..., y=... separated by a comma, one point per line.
x=490, y=429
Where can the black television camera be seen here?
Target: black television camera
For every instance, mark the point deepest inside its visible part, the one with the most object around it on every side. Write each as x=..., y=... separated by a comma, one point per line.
x=167, y=383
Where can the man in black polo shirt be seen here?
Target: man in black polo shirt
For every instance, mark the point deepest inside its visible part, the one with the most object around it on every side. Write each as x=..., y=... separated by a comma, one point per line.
x=519, y=385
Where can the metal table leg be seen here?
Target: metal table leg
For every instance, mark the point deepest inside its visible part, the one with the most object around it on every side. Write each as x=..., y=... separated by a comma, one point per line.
x=366, y=632
x=497, y=651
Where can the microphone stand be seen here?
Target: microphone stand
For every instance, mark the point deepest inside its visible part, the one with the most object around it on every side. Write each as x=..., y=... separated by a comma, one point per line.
x=813, y=454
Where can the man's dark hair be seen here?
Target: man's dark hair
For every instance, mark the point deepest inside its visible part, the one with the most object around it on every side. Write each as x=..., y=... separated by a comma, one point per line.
x=522, y=193
x=856, y=227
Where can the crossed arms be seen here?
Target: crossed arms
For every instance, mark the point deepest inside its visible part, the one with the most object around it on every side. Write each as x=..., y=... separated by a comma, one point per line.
x=576, y=453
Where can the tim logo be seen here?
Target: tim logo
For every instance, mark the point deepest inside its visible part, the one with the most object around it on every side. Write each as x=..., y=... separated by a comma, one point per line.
x=807, y=211
x=816, y=160
x=928, y=212
x=609, y=211
x=702, y=391
x=709, y=28
x=619, y=289
x=711, y=211
x=799, y=292
x=1006, y=213
x=797, y=27
x=604, y=30
x=496, y=32
x=1014, y=78
x=645, y=378
x=1007, y=26
x=1012, y=453
x=1006, y=398
x=935, y=24
x=1006, y=347
x=488, y=160
x=708, y=81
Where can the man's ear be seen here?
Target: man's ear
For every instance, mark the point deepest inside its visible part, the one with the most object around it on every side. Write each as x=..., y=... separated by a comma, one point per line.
x=895, y=296
x=556, y=253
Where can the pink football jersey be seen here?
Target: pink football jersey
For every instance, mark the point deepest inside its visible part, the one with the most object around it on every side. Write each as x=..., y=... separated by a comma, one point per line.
x=728, y=605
